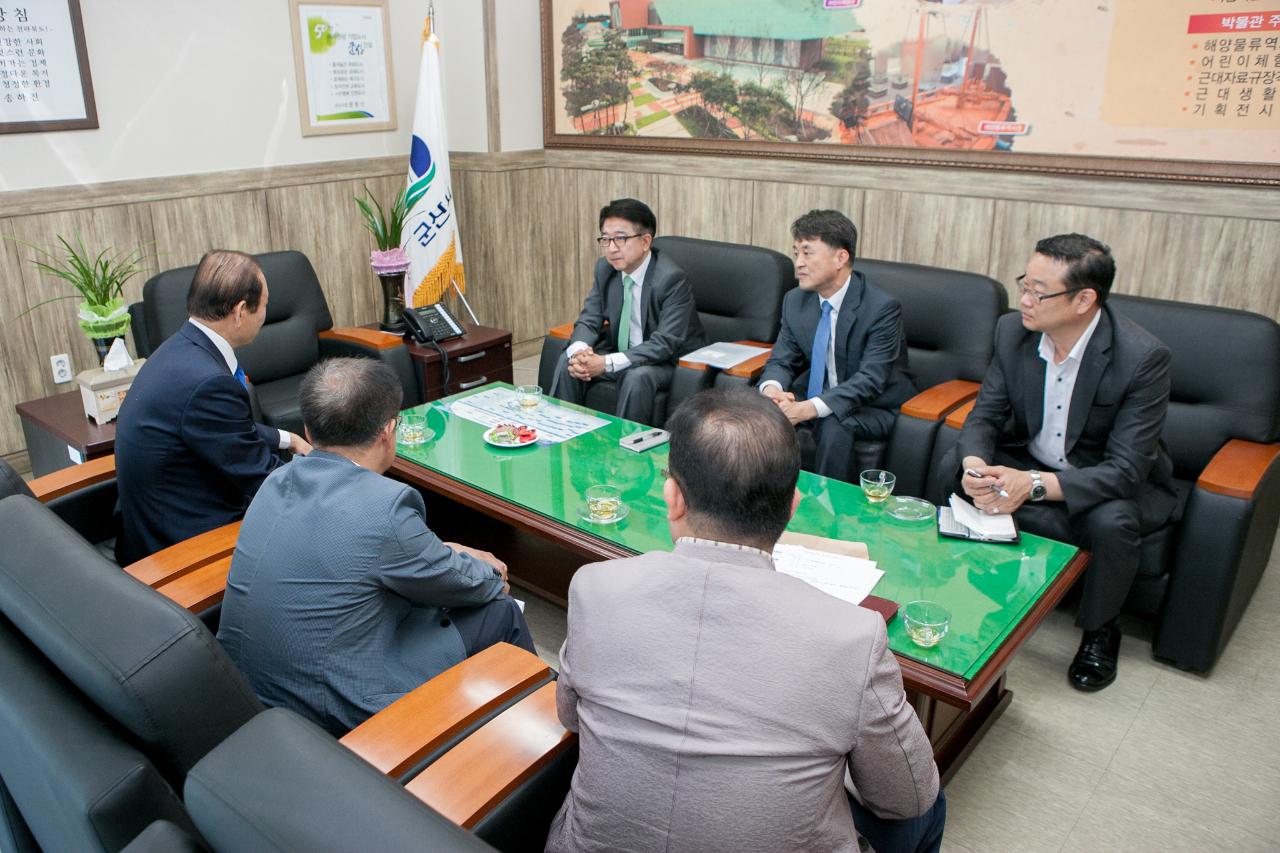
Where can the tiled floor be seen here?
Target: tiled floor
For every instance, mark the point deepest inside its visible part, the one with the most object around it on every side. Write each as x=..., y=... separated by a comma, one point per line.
x=1160, y=761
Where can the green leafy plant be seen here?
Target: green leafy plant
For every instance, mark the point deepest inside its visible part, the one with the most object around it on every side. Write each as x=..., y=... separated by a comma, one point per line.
x=385, y=226
x=98, y=279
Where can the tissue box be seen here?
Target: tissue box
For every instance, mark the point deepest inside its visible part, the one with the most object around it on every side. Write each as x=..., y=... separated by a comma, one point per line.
x=102, y=391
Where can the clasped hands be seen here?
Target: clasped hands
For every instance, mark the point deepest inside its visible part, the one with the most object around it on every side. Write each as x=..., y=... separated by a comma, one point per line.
x=585, y=365
x=992, y=480
x=797, y=411
x=499, y=567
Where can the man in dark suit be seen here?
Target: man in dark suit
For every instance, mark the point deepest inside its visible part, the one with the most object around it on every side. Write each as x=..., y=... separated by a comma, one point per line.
x=340, y=599
x=841, y=343
x=1066, y=430
x=637, y=321
x=188, y=454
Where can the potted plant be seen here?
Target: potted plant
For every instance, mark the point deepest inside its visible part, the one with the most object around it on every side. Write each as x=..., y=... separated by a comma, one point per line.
x=389, y=261
x=99, y=281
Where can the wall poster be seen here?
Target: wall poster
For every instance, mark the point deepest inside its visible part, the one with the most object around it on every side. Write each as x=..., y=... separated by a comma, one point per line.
x=44, y=68
x=342, y=52
x=1172, y=89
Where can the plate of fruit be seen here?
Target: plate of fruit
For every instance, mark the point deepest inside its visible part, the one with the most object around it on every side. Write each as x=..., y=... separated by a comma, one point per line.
x=511, y=435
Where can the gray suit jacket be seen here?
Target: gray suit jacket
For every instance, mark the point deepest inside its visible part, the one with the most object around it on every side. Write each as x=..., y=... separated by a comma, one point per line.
x=1114, y=425
x=718, y=704
x=871, y=352
x=671, y=324
x=334, y=603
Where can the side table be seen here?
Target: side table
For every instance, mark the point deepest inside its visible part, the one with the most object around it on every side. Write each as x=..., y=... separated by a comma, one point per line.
x=59, y=434
x=480, y=356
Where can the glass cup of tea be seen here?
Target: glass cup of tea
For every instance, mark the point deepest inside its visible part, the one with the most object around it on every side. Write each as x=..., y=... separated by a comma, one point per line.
x=412, y=430
x=604, y=502
x=877, y=485
x=529, y=396
x=927, y=622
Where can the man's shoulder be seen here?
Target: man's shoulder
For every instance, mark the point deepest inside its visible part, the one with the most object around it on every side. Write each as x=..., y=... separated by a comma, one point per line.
x=872, y=296
x=663, y=268
x=1130, y=335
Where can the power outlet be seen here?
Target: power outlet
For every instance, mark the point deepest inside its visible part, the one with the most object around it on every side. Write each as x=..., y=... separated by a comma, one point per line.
x=61, y=364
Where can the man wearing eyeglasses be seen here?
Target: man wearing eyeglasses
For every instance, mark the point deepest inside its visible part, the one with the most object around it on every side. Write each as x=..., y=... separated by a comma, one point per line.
x=636, y=322
x=1066, y=432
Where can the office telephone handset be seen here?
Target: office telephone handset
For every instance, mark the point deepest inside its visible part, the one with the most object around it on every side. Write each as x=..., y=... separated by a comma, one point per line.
x=432, y=323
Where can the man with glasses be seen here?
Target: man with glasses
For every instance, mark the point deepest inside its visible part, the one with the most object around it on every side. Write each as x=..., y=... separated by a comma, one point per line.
x=1066, y=431
x=636, y=322
x=340, y=599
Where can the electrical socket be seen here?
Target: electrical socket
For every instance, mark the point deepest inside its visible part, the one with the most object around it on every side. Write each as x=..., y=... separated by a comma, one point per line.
x=61, y=364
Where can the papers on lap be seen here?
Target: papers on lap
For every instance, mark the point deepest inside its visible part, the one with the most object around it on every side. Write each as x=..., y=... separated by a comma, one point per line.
x=848, y=578
x=502, y=406
x=723, y=356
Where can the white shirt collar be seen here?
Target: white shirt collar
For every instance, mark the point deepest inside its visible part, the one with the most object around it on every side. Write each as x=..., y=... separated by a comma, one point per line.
x=218, y=341
x=641, y=271
x=837, y=298
x=1077, y=351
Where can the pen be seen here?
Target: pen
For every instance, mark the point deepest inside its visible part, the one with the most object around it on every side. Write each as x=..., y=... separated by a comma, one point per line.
x=975, y=475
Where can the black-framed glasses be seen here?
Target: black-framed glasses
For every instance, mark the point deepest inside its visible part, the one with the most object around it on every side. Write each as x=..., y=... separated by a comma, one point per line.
x=1025, y=289
x=620, y=240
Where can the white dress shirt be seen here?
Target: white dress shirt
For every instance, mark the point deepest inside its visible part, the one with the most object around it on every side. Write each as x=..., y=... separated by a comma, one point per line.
x=836, y=300
x=229, y=355
x=616, y=362
x=1049, y=445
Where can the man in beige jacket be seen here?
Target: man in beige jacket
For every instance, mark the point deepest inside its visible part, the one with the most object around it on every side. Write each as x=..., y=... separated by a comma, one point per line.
x=719, y=702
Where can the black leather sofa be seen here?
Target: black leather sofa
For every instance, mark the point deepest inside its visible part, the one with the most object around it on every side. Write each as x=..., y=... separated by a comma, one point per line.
x=297, y=333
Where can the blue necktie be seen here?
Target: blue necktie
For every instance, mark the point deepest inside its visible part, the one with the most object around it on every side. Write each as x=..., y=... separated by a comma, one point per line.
x=241, y=378
x=818, y=358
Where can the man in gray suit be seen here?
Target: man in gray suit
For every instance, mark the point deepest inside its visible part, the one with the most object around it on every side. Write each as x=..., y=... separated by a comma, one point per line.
x=637, y=321
x=841, y=343
x=1066, y=431
x=720, y=703
x=340, y=599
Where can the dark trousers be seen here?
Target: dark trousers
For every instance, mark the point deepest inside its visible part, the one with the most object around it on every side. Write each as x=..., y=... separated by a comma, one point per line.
x=1110, y=531
x=921, y=834
x=638, y=388
x=499, y=621
x=832, y=441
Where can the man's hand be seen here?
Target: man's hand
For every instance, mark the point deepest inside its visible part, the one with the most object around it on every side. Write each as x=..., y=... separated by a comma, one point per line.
x=586, y=365
x=1015, y=484
x=499, y=566
x=798, y=412
x=298, y=444
x=777, y=395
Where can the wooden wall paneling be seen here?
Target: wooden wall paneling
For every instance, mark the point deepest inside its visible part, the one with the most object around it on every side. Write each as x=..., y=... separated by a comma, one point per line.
x=1214, y=261
x=27, y=342
x=776, y=205
x=322, y=221
x=919, y=228
x=187, y=227
x=479, y=224
x=1018, y=225
x=709, y=208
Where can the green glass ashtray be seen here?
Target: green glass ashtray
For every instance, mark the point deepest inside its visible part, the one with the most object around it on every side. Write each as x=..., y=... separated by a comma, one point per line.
x=911, y=509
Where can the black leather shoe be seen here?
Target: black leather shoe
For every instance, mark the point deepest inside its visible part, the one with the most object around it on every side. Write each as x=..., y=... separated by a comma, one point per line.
x=1094, y=666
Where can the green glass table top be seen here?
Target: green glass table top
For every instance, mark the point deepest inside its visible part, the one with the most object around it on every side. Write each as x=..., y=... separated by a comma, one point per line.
x=988, y=588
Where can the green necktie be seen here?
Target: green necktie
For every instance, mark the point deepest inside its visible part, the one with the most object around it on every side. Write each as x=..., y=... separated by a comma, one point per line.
x=624, y=322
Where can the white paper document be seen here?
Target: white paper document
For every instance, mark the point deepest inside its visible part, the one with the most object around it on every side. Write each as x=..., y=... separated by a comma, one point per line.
x=988, y=526
x=554, y=423
x=723, y=356
x=848, y=578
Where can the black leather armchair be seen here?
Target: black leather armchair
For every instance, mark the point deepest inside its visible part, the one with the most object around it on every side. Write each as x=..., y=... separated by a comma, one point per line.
x=297, y=333
x=1197, y=574
x=738, y=292
x=84, y=496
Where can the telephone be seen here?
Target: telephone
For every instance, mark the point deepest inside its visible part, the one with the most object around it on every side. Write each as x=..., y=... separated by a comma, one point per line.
x=432, y=323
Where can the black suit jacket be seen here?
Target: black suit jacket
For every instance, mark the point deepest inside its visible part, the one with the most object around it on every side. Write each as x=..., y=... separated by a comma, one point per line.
x=671, y=324
x=871, y=349
x=188, y=455
x=1116, y=418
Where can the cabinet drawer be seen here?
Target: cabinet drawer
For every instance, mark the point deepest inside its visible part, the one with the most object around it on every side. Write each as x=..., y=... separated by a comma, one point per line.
x=469, y=369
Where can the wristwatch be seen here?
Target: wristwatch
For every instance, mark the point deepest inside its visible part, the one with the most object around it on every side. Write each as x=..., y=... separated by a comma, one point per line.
x=1038, y=490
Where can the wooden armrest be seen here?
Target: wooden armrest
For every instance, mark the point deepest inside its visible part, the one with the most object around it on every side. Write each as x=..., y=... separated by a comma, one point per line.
x=957, y=417
x=1237, y=468
x=420, y=722
x=371, y=338
x=467, y=782
x=932, y=403
x=698, y=365
x=177, y=560
x=563, y=331
x=200, y=588
x=67, y=480
x=754, y=366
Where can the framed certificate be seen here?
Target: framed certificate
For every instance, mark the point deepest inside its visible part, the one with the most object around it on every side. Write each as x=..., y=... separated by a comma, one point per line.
x=342, y=54
x=44, y=68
